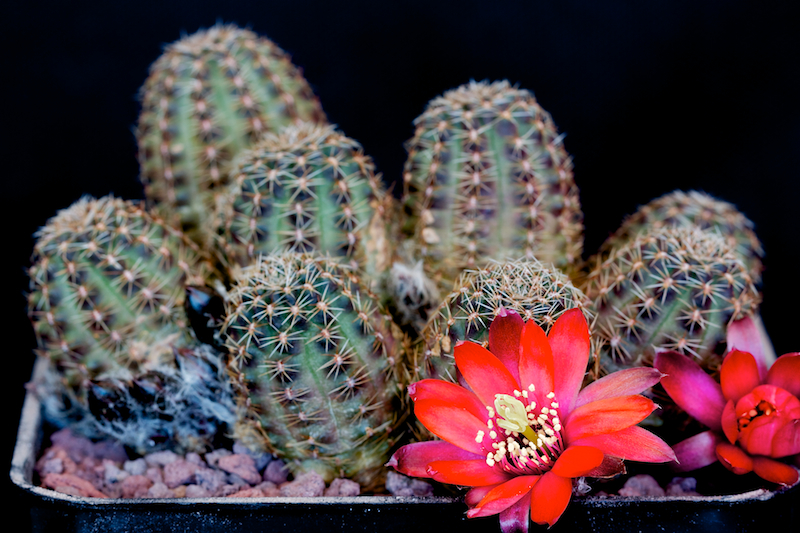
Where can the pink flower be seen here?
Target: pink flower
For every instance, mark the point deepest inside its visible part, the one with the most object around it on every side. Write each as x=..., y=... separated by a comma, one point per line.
x=523, y=429
x=753, y=414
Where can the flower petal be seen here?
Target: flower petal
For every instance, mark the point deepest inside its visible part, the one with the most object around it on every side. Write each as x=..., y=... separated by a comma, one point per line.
x=536, y=359
x=697, y=451
x=606, y=416
x=504, y=496
x=475, y=473
x=691, y=388
x=738, y=375
x=576, y=461
x=569, y=341
x=436, y=389
x=504, y=334
x=549, y=498
x=785, y=373
x=775, y=471
x=476, y=494
x=453, y=423
x=633, y=444
x=610, y=467
x=758, y=436
x=413, y=459
x=516, y=519
x=734, y=458
x=730, y=424
x=745, y=335
x=787, y=440
x=620, y=383
x=484, y=372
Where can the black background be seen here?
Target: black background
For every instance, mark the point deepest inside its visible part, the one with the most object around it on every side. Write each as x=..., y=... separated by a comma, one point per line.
x=653, y=96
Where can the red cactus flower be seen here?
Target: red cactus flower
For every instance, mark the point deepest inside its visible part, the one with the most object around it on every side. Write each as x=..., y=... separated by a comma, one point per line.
x=523, y=429
x=753, y=414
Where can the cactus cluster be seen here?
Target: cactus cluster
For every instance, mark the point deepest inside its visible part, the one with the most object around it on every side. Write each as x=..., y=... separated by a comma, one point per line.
x=316, y=363
x=207, y=97
x=487, y=177
x=672, y=288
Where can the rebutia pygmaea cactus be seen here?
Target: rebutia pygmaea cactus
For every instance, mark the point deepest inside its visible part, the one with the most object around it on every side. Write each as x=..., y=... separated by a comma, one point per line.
x=209, y=96
x=307, y=189
x=672, y=289
x=535, y=291
x=698, y=209
x=486, y=177
x=315, y=362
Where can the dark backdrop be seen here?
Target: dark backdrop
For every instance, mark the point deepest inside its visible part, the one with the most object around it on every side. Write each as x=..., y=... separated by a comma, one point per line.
x=653, y=96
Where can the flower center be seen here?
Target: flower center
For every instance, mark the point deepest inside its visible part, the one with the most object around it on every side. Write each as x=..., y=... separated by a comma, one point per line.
x=526, y=437
x=763, y=408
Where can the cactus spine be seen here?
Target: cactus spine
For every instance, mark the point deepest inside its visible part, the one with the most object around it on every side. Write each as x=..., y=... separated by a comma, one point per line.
x=315, y=362
x=672, y=288
x=209, y=96
x=308, y=189
x=487, y=176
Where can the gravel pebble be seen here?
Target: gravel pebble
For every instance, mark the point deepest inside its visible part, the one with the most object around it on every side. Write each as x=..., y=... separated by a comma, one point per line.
x=136, y=486
x=276, y=472
x=179, y=472
x=196, y=491
x=160, y=490
x=343, y=487
x=642, y=485
x=400, y=485
x=682, y=486
x=260, y=458
x=241, y=465
x=213, y=457
x=161, y=458
x=307, y=485
x=136, y=468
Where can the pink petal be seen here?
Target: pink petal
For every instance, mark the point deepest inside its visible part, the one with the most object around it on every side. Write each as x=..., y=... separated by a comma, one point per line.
x=484, y=372
x=504, y=496
x=516, y=518
x=697, y=451
x=775, y=471
x=576, y=461
x=606, y=416
x=474, y=473
x=787, y=440
x=738, y=375
x=746, y=335
x=504, y=334
x=549, y=498
x=631, y=444
x=569, y=341
x=413, y=459
x=621, y=383
x=452, y=423
x=691, y=388
x=536, y=360
x=733, y=458
x=436, y=389
x=785, y=373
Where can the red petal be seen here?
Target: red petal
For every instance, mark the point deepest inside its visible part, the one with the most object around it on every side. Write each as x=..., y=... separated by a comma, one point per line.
x=787, y=440
x=738, y=375
x=621, y=383
x=632, y=444
x=475, y=473
x=413, y=459
x=697, y=451
x=536, y=359
x=606, y=416
x=691, y=388
x=757, y=438
x=730, y=424
x=504, y=496
x=436, y=389
x=733, y=458
x=516, y=519
x=504, y=334
x=576, y=461
x=453, y=423
x=775, y=471
x=549, y=498
x=785, y=373
x=745, y=335
x=569, y=341
x=484, y=372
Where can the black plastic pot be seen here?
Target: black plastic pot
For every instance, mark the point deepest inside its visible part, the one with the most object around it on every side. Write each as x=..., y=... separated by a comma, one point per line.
x=53, y=511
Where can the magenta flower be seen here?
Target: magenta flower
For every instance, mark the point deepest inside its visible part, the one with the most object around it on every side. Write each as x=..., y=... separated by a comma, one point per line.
x=524, y=429
x=753, y=414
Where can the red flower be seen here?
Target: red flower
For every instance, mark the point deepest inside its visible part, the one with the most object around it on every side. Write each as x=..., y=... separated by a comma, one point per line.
x=523, y=429
x=753, y=414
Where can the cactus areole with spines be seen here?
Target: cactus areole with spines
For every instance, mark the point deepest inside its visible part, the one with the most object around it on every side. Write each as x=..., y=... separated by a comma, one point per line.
x=670, y=289
x=105, y=273
x=307, y=189
x=209, y=96
x=487, y=176
x=315, y=361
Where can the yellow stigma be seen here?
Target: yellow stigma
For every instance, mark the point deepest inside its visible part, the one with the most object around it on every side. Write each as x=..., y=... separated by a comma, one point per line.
x=512, y=415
